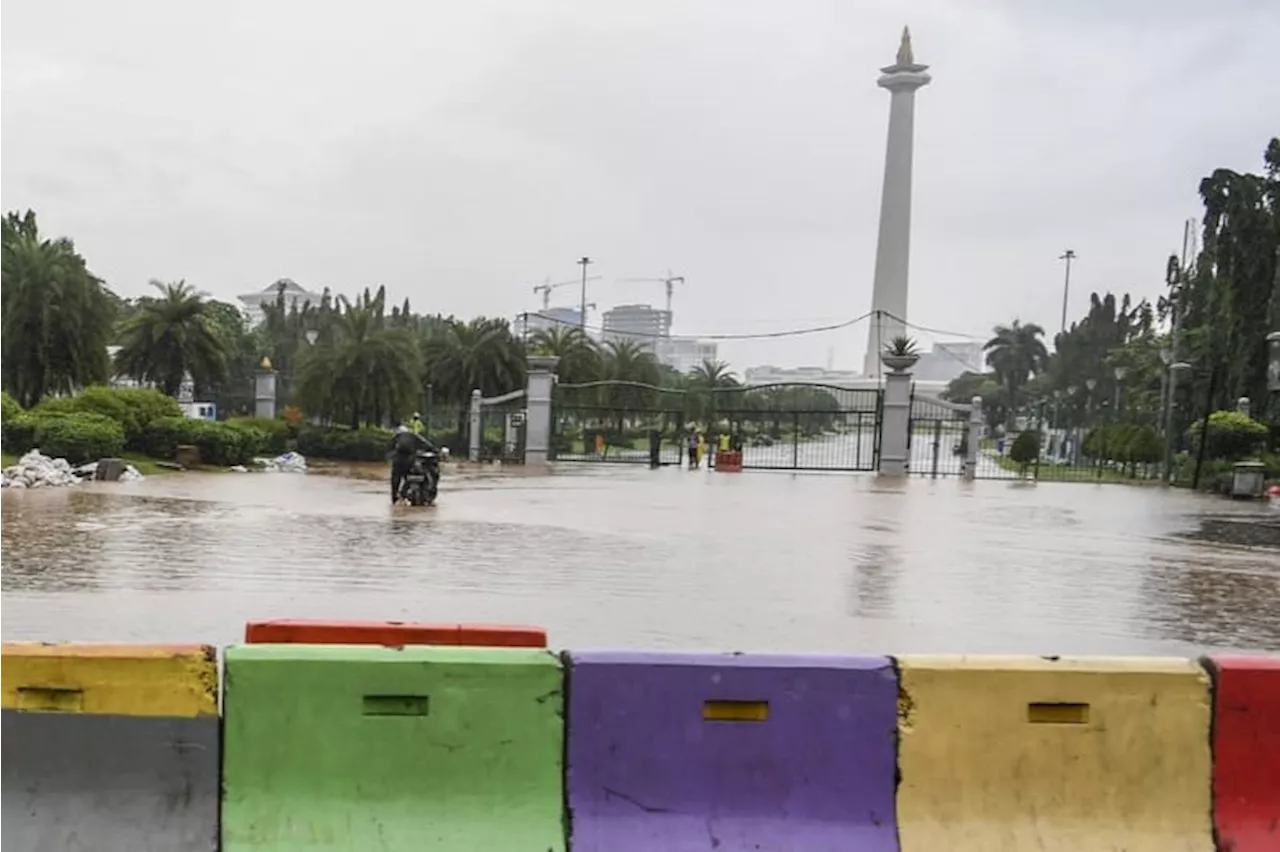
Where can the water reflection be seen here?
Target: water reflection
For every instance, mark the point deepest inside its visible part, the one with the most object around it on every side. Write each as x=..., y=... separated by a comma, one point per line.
x=627, y=556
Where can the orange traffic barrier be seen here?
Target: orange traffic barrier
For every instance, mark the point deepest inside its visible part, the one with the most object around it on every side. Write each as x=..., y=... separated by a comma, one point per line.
x=392, y=633
x=729, y=461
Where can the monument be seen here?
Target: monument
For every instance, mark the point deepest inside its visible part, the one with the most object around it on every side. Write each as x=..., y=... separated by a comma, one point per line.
x=893, y=248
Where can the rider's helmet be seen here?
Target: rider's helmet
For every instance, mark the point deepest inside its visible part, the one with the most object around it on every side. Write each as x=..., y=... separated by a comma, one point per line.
x=417, y=416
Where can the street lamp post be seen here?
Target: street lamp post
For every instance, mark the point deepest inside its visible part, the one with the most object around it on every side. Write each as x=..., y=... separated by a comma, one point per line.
x=584, y=262
x=1068, y=256
x=1121, y=372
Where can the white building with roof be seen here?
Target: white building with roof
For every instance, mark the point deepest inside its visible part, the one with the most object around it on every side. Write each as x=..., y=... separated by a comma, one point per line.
x=293, y=293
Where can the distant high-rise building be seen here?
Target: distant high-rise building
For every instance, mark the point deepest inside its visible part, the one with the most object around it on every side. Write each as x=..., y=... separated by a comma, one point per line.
x=636, y=322
x=546, y=318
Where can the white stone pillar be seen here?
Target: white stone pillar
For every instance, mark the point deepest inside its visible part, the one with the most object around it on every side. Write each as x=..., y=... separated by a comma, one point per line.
x=893, y=247
x=895, y=424
x=475, y=429
x=541, y=373
x=976, y=421
x=264, y=391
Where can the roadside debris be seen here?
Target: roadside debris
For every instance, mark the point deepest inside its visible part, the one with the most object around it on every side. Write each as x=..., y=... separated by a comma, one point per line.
x=287, y=463
x=36, y=470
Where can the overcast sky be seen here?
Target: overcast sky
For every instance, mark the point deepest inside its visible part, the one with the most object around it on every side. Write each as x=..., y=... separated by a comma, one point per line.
x=460, y=153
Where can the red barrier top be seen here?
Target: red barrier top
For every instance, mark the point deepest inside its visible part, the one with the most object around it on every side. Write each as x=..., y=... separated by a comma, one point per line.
x=1246, y=753
x=392, y=633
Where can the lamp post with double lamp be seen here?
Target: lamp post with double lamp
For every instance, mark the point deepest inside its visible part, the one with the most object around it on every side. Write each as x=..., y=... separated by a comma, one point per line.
x=1120, y=373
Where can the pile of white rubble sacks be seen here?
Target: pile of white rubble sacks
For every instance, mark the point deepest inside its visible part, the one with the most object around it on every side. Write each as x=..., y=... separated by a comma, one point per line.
x=36, y=470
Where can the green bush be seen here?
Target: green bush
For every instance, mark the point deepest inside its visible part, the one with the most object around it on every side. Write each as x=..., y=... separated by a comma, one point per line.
x=333, y=442
x=132, y=408
x=9, y=407
x=268, y=436
x=219, y=443
x=144, y=406
x=77, y=437
x=1232, y=435
x=18, y=433
x=1026, y=447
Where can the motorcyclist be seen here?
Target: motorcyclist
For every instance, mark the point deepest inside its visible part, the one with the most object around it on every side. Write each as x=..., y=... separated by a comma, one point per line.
x=416, y=424
x=404, y=443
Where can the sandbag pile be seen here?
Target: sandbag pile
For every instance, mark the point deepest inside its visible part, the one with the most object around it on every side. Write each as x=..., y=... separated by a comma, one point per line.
x=287, y=463
x=36, y=470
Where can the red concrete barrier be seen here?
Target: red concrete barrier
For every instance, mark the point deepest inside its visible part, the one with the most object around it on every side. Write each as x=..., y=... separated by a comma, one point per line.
x=1246, y=753
x=391, y=633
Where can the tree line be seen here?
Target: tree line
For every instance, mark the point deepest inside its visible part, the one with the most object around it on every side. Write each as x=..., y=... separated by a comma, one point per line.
x=1114, y=363
x=348, y=360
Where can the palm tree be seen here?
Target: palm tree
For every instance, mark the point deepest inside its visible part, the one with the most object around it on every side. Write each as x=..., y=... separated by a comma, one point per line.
x=171, y=337
x=578, y=353
x=464, y=356
x=57, y=315
x=1016, y=352
x=635, y=374
x=362, y=368
x=708, y=383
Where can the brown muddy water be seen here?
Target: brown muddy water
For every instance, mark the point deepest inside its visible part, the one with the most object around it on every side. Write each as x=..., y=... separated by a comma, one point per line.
x=626, y=557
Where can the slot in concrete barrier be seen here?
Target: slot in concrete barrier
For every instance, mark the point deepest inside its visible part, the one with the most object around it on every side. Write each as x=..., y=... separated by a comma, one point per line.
x=110, y=747
x=1246, y=753
x=392, y=633
x=730, y=752
x=416, y=748
x=1024, y=753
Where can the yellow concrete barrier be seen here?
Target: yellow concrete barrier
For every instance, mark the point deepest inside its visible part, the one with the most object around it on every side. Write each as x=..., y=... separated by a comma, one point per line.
x=1039, y=753
x=123, y=680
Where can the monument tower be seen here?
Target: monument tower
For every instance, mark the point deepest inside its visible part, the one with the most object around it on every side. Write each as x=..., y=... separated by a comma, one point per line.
x=893, y=248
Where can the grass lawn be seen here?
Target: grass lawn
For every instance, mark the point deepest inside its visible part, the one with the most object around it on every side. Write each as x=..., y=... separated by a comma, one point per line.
x=146, y=465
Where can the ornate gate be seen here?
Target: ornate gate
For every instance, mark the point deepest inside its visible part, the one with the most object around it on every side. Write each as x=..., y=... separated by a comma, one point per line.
x=615, y=422
x=937, y=437
x=797, y=426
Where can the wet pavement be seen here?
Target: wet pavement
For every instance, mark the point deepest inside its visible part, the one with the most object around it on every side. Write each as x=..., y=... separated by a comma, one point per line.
x=617, y=555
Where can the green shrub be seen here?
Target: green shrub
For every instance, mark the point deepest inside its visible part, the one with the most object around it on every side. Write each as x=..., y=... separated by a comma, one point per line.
x=9, y=407
x=333, y=442
x=1232, y=435
x=219, y=443
x=1026, y=447
x=132, y=408
x=268, y=436
x=78, y=437
x=18, y=433
x=144, y=406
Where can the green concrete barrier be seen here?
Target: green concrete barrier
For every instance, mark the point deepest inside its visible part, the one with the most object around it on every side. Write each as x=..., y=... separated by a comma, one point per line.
x=362, y=747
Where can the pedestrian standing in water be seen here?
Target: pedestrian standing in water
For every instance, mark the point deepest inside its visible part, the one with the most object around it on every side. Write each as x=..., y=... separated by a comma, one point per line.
x=693, y=450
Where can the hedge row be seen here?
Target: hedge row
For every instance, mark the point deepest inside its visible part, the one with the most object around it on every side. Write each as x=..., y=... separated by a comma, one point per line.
x=79, y=438
x=133, y=408
x=333, y=442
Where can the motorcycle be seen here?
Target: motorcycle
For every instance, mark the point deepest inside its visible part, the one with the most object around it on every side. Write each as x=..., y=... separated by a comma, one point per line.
x=422, y=483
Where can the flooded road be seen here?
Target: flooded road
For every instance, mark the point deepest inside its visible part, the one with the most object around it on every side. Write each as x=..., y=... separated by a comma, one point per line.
x=624, y=556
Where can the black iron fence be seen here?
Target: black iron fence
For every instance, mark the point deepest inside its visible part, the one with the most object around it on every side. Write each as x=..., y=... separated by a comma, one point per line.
x=937, y=437
x=800, y=426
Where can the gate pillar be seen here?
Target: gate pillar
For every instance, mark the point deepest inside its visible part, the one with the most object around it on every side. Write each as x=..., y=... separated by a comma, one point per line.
x=976, y=421
x=541, y=373
x=476, y=430
x=895, y=424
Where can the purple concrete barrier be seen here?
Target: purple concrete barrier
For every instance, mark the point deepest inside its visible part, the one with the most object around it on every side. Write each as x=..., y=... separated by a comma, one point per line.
x=731, y=752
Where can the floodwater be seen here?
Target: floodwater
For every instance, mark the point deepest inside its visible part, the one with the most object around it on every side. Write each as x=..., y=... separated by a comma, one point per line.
x=621, y=556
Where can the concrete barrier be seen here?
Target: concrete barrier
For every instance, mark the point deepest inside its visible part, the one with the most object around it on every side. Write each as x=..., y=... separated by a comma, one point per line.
x=1246, y=753
x=1044, y=753
x=730, y=752
x=110, y=747
x=392, y=633
x=359, y=747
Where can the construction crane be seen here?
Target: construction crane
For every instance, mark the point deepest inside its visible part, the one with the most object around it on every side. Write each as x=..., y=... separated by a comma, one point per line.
x=546, y=287
x=669, y=281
